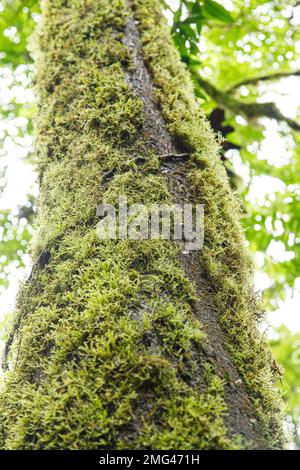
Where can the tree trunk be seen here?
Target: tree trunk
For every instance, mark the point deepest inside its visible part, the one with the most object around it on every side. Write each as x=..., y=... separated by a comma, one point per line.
x=131, y=344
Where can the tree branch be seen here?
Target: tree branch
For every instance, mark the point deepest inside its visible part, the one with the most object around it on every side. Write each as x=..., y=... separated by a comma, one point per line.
x=248, y=110
x=272, y=76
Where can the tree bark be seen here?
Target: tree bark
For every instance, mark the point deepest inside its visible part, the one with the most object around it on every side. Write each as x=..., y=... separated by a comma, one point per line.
x=128, y=344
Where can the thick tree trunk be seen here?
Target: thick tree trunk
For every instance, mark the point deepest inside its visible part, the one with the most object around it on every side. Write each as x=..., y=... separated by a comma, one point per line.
x=131, y=344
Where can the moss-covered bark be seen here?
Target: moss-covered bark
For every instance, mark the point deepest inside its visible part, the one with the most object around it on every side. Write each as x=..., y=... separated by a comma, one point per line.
x=126, y=344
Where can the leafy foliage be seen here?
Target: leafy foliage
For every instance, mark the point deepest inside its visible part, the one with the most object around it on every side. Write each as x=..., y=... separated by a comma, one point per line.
x=286, y=348
x=17, y=21
x=188, y=20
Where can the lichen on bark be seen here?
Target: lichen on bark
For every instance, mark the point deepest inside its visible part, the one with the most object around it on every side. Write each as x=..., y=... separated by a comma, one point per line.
x=110, y=349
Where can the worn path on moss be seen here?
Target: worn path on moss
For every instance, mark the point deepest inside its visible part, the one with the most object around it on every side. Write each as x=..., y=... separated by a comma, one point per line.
x=131, y=344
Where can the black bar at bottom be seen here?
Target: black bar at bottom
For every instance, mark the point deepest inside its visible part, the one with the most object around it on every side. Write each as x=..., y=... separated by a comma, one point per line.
x=140, y=459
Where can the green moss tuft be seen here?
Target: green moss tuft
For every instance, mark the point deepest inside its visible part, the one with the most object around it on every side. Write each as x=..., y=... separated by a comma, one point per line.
x=106, y=342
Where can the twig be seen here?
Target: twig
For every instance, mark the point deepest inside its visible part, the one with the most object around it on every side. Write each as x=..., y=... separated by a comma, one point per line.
x=263, y=78
x=249, y=110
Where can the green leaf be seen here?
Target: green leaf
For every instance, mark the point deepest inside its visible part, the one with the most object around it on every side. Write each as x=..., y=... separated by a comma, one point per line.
x=199, y=93
x=199, y=25
x=181, y=45
x=215, y=10
x=193, y=19
x=177, y=14
x=188, y=32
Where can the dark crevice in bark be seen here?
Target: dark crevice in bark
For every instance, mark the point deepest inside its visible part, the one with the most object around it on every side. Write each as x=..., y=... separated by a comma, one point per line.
x=241, y=417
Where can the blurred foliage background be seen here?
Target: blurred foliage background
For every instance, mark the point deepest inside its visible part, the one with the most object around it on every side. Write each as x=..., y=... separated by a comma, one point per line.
x=244, y=59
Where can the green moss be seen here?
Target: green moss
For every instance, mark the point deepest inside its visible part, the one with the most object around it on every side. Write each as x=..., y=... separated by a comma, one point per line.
x=184, y=413
x=107, y=355
x=106, y=352
x=223, y=258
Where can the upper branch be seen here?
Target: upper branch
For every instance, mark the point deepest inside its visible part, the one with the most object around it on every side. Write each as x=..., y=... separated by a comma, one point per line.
x=249, y=110
x=272, y=76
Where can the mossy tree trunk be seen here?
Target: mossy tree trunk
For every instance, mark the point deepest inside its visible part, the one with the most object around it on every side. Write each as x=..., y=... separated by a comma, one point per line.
x=131, y=344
